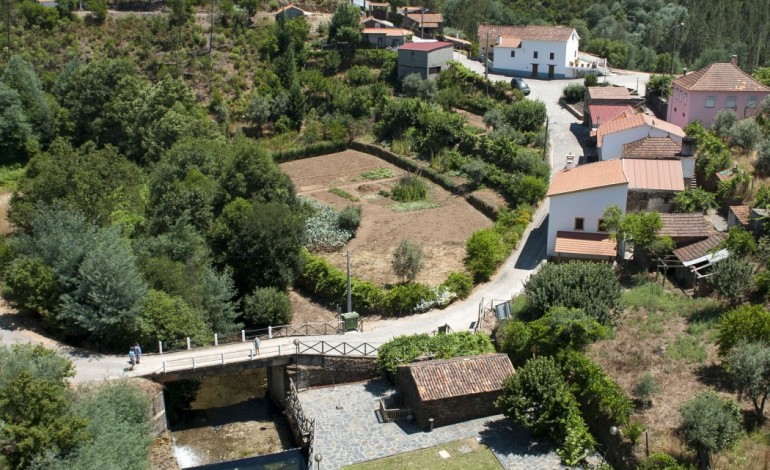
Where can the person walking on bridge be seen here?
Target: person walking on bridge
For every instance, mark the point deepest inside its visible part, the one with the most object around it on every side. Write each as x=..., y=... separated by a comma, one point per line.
x=131, y=358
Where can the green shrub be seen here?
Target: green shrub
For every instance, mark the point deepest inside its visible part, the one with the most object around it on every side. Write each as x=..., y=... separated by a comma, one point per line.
x=591, y=80
x=634, y=431
x=350, y=218
x=360, y=75
x=750, y=323
x=378, y=174
x=407, y=260
x=485, y=251
x=405, y=349
x=343, y=194
x=731, y=278
x=459, y=283
x=32, y=284
x=694, y=200
x=661, y=461
x=687, y=348
x=404, y=298
x=525, y=115
x=267, y=306
x=324, y=230
x=574, y=92
x=410, y=188
x=591, y=287
x=645, y=389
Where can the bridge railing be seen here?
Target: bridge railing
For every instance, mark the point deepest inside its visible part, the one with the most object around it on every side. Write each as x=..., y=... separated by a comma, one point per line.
x=326, y=348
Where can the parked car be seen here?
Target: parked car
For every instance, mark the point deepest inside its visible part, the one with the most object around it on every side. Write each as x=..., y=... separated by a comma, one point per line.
x=518, y=83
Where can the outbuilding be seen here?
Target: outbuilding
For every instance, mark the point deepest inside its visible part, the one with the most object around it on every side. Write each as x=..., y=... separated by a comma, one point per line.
x=453, y=390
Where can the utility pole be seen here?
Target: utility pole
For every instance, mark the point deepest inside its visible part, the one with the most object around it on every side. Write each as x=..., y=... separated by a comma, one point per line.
x=350, y=300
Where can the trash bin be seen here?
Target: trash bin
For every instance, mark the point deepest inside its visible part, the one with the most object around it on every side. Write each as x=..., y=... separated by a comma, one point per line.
x=350, y=321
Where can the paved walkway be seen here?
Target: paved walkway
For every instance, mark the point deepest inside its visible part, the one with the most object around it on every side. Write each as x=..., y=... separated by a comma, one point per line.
x=348, y=431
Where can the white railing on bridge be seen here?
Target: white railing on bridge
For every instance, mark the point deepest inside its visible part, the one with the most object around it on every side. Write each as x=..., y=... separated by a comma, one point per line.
x=325, y=348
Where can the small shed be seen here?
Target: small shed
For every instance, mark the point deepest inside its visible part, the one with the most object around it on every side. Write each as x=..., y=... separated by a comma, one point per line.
x=454, y=390
x=684, y=228
x=290, y=12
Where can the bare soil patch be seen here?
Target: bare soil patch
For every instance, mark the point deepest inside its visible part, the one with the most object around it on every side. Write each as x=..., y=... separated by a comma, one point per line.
x=473, y=119
x=442, y=231
x=491, y=197
x=5, y=226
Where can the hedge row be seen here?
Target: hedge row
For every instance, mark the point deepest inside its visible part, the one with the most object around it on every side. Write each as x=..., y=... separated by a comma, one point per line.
x=312, y=150
x=330, y=283
x=405, y=349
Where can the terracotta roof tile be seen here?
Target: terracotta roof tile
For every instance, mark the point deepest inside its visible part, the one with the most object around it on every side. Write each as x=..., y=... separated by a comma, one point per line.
x=742, y=213
x=684, y=225
x=629, y=122
x=602, y=113
x=425, y=46
x=508, y=41
x=534, y=33
x=696, y=250
x=608, y=93
x=585, y=243
x=654, y=175
x=652, y=147
x=720, y=76
x=592, y=175
x=289, y=7
x=428, y=18
x=460, y=376
x=387, y=31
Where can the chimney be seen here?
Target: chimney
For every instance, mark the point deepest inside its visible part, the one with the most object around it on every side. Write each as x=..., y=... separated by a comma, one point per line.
x=734, y=60
x=570, y=162
x=499, y=39
x=688, y=146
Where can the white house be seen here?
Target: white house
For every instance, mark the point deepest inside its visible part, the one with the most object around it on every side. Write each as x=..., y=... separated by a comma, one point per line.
x=612, y=135
x=579, y=196
x=531, y=51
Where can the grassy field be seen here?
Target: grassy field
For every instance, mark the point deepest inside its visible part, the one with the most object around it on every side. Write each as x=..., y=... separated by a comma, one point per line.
x=463, y=454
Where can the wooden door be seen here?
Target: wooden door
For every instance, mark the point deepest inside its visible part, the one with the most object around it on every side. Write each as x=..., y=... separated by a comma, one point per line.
x=551, y=71
x=534, y=70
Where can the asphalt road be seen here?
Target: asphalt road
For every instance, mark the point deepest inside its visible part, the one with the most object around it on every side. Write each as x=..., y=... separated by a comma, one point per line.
x=564, y=133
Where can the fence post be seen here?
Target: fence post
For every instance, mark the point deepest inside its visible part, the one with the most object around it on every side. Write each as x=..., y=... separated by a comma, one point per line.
x=322, y=346
x=296, y=344
x=269, y=332
x=216, y=339
x=160, y=346
x=279, y=349
x=344, y=348
x=188, y=343
x=223, y=358
x=193, y=362
x=164, y=367
x=243, y=336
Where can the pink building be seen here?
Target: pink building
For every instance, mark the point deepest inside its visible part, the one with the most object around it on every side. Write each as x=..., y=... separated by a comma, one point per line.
x=699, y=96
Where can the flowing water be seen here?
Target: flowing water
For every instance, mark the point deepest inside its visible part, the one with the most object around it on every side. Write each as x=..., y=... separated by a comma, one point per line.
x=230, y=417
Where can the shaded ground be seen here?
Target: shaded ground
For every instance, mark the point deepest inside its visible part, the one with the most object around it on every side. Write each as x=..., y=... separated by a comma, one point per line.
x=442, y=231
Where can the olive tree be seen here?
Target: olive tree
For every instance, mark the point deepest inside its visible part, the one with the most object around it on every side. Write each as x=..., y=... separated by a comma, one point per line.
x=407, y=260
x=710, y=424
x=749, y=366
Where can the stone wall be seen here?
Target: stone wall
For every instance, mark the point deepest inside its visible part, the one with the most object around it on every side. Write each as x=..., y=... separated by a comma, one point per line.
x=660, y=201
x=331, y=370
x=457, y=409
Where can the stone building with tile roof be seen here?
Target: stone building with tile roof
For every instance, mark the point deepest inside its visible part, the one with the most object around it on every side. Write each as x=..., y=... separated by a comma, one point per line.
x=453, y=390
x=699, y=96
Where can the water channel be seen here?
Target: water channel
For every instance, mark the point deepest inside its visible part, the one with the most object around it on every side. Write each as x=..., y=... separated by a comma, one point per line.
x=225, y=418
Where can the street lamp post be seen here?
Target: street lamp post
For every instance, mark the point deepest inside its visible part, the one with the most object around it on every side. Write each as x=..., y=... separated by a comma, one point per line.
x=318, y=458
x=673, y=47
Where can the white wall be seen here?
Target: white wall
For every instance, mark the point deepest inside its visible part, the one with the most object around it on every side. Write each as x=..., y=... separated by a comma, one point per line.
x=688, y=167
x=589, y=205
x=612, y=144
x=522, y=63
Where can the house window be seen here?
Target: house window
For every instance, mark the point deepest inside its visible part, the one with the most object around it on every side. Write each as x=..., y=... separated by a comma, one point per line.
x=579, y=223
x=710, y=100
x=551, y=56
x=379, y=41
x=513, y=53
x=412, y=55
x=600, y=226
x=730, y=102
x=535, y=55
x=434, y=70
x=752, y=102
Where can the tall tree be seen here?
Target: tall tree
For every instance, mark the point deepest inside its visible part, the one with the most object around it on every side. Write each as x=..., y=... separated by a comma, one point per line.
x=17, y=138
x=20, y=76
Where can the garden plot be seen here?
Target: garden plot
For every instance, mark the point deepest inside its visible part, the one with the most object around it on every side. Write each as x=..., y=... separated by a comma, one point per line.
x=442, y=224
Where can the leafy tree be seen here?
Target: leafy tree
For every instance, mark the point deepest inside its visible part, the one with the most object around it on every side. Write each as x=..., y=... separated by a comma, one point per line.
x=538, y=398
x=106, y=300
x=762, y=166
x=484, y=251
x=645, y=389
x=96, y=183
x=694, y=200
x=724, y=122
x=591, y=287
x=17, y=140
x=20, y=76
x=439, y=129
x=731, y=278
x=745, y=134
x=525, y=115
x=748, y=323
x=749, y=366
x=162, y=317
x=349, y=218
x=32, y=284
x=414, y=86
x=407, y=260
x=405, y=349
x=34, y=406
x=710, y=424
x=345, y=26
x=267, y=306
x=261, y=242
x=740, y=242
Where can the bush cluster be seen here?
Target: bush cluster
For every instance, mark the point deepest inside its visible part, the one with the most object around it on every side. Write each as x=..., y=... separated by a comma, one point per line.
x=486, y=249
x=410, y=188
x=574, y=92
x=405, y=349
x=327, y=230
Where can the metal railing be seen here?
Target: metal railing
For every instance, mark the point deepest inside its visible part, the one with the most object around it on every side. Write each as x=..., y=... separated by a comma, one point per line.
x=391, y=409
x=286, y=349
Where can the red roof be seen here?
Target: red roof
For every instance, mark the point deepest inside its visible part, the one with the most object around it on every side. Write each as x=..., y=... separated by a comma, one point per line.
x=459, y=376
x=652, y=147
x=387, y=31
x=585, y=243
x=742, y=213
x=603, y=113
x=720, y=77
x=609, y=93
x=534, y=33
x=624, y=123
x=653, y=175
x=590, y=176
x=701, y=248
x=425, y=46
x=640, y=174
x=429, y=18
